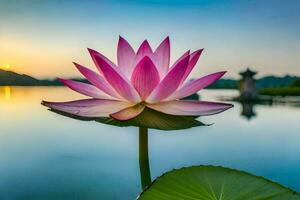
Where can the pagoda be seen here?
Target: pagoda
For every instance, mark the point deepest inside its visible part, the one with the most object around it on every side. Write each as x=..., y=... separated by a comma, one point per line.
x=247, y=85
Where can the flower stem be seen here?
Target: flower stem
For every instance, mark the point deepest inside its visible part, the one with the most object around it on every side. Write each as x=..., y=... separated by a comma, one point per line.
x=144, y=158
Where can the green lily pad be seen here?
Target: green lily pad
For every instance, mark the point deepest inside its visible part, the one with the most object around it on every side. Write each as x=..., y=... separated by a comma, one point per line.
x=215, y=183
x=149, y=118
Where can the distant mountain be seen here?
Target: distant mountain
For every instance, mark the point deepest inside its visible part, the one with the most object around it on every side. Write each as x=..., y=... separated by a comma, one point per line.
x=224, y=84
x=265, y=82
x=15, y=79
x=276, y=82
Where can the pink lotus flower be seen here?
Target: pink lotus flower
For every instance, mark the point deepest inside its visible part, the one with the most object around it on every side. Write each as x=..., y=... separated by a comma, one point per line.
x=141, y=79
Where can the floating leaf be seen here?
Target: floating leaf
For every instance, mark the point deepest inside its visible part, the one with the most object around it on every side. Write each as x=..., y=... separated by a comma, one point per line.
x=149, y=118
x=215, y=183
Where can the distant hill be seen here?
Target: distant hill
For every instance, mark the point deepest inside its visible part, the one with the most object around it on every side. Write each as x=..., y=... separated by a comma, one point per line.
x=224, y=84
x=276, y=82
x=265, y=82
x=15, y=79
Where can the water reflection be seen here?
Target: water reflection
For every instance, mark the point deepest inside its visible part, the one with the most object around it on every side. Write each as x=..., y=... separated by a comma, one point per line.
x=248, y=110
x=47, y=156
x=7, y=92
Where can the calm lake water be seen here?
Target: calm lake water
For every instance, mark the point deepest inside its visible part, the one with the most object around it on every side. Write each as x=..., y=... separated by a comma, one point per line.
x=47, y=156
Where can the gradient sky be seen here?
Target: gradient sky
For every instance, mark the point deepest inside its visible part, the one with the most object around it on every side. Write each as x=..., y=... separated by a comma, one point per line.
x=42, y=38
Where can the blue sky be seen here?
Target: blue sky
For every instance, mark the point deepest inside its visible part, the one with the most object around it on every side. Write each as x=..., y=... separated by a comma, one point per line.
x=42, y=38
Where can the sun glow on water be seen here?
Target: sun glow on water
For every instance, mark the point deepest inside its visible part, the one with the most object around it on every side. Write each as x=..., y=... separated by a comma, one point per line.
x=7, y=92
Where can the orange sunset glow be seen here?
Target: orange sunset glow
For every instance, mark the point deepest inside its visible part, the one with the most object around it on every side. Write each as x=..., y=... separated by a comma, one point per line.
x=5, y=67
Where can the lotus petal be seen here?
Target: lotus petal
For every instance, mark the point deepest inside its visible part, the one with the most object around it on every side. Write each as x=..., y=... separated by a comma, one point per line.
x=149, y=118
x=89, y=107
x=97, y=80
x=170, y=82
x=85, y=89
x=194, y=57
x=96, y=55
x=145, y=77
x=194, y=86
x=117, y=80
x=126, y=57
x=180, y=58
x=128, y=113
x=93, y=53
x=162, y=56
x=144, y=49
x=190, y=107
